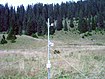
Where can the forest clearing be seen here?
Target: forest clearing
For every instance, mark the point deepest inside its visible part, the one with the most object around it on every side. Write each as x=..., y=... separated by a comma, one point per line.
x=81, y=60
x=70, y=35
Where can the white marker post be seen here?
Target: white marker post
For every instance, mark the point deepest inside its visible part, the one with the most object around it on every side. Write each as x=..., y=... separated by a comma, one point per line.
x=49, y=44
x=48, y=64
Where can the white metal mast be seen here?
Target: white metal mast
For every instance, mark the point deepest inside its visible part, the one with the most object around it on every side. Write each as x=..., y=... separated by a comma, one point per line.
x=48, y=63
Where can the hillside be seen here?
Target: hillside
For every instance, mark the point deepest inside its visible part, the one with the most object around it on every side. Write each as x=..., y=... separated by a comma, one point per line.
x=28, y=42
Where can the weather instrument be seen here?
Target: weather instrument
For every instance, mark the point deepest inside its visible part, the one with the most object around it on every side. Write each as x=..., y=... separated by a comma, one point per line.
x=49, y=44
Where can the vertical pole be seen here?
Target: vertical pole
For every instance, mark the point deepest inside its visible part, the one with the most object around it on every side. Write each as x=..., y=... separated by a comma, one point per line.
x=48, y=51
x=48, y=41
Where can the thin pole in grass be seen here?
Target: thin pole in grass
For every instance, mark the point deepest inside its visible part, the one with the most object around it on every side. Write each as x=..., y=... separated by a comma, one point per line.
x=49, y=44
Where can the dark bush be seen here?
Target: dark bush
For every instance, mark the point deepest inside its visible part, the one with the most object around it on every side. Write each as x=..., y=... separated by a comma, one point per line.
x=13, y=41
x=3, y=40
x=98, y=58
x=57, y=52
x=11, y=35
x=34, y=35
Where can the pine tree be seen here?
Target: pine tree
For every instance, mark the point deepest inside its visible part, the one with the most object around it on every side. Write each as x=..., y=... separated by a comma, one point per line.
x=44, y=27
x=40, y=25
x=65, y=26
x=89, y=24
x=6, y=16
x=100, y=21
x=71, y=23
x=82, y=26
x=59, y=24
x=94, y=24
x=11, y=35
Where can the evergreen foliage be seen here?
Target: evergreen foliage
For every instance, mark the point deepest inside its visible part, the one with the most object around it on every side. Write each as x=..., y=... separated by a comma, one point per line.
x=65, y=26
x=11, y=35
x=94, y=25
x=59, y=24
x=90, y=13
x=3, y=40
x=35, y=35
x=82, y=26
x=71, y=23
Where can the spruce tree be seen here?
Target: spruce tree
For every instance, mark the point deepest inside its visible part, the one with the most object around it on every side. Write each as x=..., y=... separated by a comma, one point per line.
x=65, y=26
x=82, y=26
x=94, y=24
x=11, y=35
x=71, y=23
x=59, y=24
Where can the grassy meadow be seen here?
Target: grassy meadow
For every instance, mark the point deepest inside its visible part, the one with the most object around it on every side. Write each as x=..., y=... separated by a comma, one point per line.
x=79, y=58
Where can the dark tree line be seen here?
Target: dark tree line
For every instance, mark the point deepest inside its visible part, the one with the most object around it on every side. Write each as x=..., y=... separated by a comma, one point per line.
x=90, y=15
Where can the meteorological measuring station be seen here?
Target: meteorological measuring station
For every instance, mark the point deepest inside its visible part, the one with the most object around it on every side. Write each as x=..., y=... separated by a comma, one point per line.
x=49, y=44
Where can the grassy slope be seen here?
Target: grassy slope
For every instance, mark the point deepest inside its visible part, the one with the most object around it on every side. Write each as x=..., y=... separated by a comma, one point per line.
x=26, y=42
x=23, y=42
x=74, y=38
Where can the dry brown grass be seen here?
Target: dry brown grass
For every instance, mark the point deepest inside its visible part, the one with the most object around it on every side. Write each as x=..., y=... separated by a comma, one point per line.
x=28, y=57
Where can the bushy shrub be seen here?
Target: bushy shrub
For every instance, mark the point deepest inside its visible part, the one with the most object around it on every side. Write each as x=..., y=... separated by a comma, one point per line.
x=13, y=41
x=34, y=35
x=57, y=52
x=11, y=36
x=3, y=40
x=87, y=34
x=82, y=36
x=98, y=58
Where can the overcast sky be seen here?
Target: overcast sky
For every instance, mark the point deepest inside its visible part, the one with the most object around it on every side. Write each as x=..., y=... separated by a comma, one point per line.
x=26, y=2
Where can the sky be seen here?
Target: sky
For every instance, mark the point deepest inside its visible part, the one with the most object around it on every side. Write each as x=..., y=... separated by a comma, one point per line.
x=26, y=2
